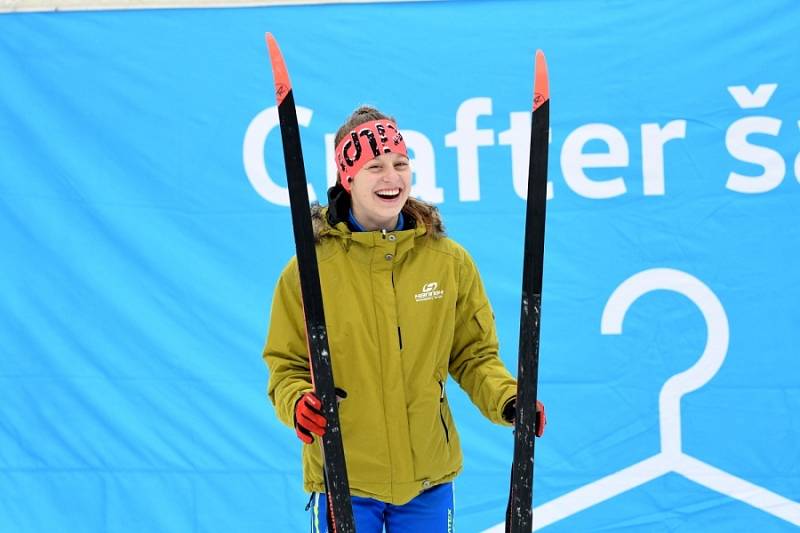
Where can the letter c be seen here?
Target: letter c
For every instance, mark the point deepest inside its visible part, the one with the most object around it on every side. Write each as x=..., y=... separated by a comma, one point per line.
x=253, y=155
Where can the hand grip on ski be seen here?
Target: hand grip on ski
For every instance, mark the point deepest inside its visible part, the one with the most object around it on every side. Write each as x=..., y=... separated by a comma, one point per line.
x=510, y=413
x=308, y=417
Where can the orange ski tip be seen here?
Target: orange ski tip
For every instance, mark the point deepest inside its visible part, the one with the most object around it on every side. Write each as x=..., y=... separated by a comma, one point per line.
x=279, y=73
x=541, y=84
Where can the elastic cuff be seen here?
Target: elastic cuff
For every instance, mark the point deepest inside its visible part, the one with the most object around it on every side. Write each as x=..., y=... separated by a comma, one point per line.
x=509, y=411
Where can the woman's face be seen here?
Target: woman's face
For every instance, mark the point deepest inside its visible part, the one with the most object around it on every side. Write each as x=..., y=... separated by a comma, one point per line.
x=380, y=190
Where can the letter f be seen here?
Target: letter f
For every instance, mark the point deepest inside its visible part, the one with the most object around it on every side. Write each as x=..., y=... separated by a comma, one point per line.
x=466, y=139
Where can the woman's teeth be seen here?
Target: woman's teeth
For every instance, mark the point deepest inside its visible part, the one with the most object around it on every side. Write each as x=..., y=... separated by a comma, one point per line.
x=388, y=193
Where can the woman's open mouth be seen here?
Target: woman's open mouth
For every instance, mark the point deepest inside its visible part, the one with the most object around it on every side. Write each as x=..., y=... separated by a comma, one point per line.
x=388, y=194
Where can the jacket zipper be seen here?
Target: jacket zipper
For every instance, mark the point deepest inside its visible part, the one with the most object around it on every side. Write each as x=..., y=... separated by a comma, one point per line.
x=441, y=413
x=399, y=333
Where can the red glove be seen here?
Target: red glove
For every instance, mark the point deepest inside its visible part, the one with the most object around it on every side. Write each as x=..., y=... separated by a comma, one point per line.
x=510, y=412
x=541, y=418
x=308, y=418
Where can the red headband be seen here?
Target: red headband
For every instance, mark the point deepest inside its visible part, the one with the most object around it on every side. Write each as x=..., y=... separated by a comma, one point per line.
x=351, y=155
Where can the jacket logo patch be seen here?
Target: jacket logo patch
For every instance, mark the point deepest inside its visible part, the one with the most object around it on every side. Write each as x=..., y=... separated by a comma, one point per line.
x=429, y=292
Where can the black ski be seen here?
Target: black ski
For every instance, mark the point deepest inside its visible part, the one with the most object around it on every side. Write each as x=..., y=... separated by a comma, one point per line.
x=519, y=514
x=340, y=512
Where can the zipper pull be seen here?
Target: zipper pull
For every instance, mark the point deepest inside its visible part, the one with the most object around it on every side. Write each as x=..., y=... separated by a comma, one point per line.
x=441, y=396
x=383, y=233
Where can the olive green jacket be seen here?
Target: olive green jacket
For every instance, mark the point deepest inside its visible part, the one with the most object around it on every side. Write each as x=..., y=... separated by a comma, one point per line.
x=403, y=310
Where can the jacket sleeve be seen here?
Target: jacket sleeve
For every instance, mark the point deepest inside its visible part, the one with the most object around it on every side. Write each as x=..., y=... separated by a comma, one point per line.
x=474, y=360
x=286, y=352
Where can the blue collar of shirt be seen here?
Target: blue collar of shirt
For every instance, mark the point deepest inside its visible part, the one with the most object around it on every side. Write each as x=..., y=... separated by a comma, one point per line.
x=355, y=226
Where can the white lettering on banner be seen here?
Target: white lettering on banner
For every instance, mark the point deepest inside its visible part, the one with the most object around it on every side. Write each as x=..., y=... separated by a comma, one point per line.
x=671, y=457
x=466, y=139
x=253, y=155
x=737, y=144
x=654, y=138
x=753, y=100
x=518, y=136
x=574, y=160
x=330, y=168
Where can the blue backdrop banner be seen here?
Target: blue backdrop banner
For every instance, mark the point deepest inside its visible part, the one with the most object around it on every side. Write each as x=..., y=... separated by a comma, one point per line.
x=144, y=222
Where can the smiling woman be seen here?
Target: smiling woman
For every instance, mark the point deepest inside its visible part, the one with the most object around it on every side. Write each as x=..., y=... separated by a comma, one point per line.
x=373, y=167
x=404, y=307
x=375, y=170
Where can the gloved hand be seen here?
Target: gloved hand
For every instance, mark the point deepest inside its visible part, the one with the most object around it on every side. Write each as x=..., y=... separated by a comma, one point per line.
x=510, y=412
x=308, y=417
x=541, y=418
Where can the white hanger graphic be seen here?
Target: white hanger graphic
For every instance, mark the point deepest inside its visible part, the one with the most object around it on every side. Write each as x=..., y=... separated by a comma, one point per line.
x=671, y=458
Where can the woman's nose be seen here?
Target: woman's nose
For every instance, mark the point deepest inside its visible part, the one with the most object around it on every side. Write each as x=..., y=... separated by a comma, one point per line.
x=391, y=174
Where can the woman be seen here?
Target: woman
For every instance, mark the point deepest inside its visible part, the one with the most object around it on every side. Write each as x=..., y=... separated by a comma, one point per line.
x=405, y=307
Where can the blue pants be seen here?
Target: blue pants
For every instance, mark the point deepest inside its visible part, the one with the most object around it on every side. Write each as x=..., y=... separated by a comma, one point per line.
x=431, y=512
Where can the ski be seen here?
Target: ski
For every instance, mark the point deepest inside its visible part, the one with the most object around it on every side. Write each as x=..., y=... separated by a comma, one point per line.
x=340, y=512
x=519, y=513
